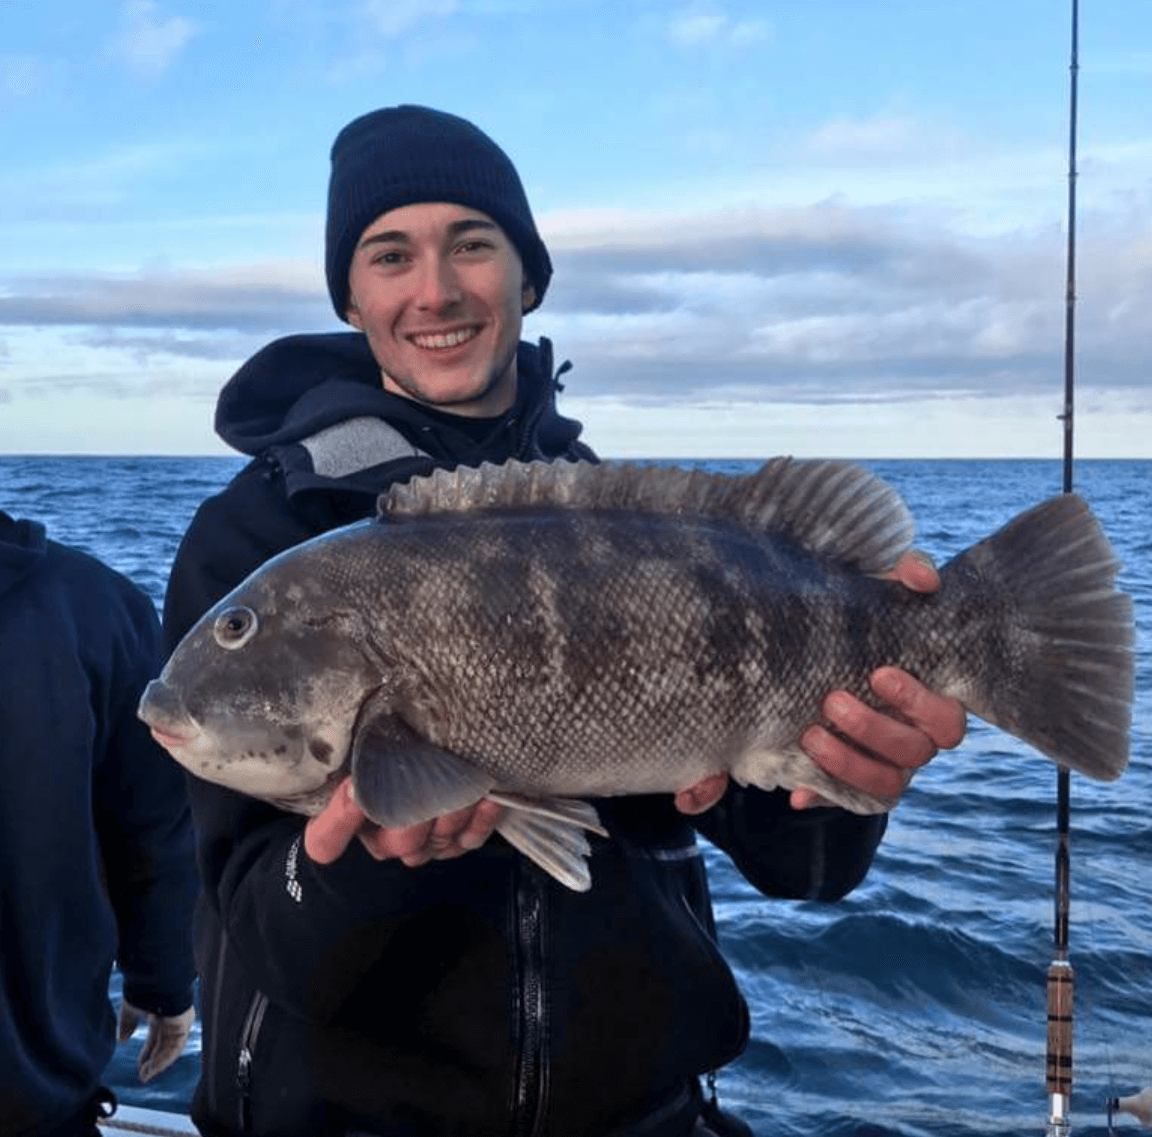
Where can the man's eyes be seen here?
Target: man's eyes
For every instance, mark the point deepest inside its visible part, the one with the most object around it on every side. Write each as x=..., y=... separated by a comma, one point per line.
x=395, y=257
x=474, y=246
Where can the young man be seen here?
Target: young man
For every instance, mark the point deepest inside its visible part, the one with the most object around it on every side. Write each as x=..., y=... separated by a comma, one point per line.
x=427, y=980
x=96, y=852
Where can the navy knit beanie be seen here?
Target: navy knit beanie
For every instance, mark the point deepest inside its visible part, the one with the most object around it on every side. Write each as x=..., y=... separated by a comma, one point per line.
x=408, y=154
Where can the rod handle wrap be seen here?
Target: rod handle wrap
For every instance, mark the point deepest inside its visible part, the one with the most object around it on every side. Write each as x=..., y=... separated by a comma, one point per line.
x=1060, y=1028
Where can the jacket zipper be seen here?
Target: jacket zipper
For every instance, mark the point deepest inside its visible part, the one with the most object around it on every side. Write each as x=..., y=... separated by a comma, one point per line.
x=532, y=1070
x=210, y=1037
x=248, y=1036
x=528, y=447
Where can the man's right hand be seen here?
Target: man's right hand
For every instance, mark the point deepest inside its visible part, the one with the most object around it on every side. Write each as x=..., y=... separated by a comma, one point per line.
x=331, y=831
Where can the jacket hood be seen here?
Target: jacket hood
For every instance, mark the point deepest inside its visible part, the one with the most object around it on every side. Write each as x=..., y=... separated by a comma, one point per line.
x=22, y=548
x=303, y=384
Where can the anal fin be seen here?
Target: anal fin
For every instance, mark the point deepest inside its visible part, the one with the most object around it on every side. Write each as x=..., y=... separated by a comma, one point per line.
x=550, y=833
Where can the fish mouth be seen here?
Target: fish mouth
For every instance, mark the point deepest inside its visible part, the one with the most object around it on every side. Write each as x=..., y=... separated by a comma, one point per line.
x=163, y=712
x=170, y=741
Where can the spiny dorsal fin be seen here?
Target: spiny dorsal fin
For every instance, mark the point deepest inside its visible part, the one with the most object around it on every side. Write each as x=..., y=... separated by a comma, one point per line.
x=832, y=508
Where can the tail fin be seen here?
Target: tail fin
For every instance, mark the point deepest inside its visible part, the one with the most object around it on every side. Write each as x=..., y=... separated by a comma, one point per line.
x=1067, y=681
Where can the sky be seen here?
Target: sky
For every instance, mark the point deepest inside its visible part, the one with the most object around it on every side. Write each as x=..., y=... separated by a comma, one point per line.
x=833, y=229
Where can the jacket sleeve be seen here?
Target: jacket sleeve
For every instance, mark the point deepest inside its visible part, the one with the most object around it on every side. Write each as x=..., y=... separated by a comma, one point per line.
x=142, y=818
x=810, y=854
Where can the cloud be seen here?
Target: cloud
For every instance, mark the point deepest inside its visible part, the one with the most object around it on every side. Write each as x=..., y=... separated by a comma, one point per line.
x=21, y=77
x=828, y=303
x=698, y=28
x=145, y=348
x=392, y=19
x=266, y=299
x=148, y=41
x=106, y=364
x=384, y=35
x=881, y=136
x=818, y=305
x=69, y=189
x=796, y=261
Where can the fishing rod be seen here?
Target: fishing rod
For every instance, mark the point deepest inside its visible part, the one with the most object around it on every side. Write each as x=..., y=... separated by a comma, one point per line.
x=1060, y=975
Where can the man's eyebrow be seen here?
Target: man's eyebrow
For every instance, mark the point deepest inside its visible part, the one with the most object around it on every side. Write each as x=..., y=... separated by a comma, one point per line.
x=385, y=237
x=467, y=224
x=400, y=237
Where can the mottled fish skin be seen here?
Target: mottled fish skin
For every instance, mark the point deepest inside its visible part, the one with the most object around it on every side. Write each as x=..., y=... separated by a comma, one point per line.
x=557, y=632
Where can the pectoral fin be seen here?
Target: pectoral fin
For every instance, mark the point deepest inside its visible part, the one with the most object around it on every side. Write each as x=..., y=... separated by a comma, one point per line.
x=399, y=778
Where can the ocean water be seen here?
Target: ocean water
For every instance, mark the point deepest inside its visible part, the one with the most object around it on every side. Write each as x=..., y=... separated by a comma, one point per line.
x=915, y=1007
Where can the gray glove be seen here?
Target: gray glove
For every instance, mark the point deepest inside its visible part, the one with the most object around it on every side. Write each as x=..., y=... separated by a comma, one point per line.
x=166, y=1037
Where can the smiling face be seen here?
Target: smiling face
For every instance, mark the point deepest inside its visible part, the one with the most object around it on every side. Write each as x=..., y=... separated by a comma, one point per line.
x=439, y=291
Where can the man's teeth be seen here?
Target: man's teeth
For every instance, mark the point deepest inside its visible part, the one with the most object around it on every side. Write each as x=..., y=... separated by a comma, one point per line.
x=447, y=339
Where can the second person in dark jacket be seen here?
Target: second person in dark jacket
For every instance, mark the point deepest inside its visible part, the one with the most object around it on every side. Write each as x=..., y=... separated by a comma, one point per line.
x=96, y=850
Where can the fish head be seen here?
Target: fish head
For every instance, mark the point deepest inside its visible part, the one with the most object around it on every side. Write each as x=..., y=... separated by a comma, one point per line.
x=263, y=693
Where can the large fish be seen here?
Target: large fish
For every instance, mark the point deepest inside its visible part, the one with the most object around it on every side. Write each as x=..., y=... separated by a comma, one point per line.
x=542, y=634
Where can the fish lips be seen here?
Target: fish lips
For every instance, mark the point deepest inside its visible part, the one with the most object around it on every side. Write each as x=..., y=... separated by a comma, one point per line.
x=165, y=715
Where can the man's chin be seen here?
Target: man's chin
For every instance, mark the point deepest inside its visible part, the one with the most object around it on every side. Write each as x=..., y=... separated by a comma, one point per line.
x=467, y=396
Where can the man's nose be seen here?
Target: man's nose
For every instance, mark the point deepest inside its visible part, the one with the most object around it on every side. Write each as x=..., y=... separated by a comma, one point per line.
x=439, y=285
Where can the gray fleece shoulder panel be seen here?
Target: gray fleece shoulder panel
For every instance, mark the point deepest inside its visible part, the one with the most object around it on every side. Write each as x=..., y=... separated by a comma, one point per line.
x=357, y=444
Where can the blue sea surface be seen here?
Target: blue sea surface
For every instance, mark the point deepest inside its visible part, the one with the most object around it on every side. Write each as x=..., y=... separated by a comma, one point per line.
x=916, y=1006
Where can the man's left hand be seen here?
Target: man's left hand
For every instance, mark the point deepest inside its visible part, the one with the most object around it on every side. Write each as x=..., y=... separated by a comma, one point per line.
x=889, y=749
x=167, y=1036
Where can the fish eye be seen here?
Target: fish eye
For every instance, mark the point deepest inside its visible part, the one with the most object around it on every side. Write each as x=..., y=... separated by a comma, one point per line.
x=234, y=627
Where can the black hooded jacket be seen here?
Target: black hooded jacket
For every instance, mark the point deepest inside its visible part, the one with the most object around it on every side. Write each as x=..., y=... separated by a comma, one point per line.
x=96, y=853
x=474, y=995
